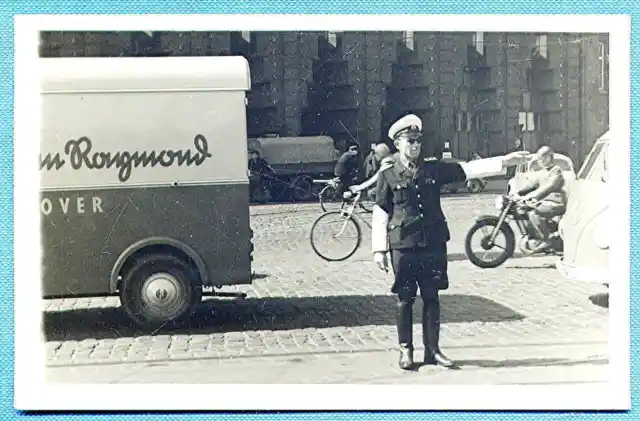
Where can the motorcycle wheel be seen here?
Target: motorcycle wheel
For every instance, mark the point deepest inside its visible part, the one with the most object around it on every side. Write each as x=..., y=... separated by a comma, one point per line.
x=505, y=254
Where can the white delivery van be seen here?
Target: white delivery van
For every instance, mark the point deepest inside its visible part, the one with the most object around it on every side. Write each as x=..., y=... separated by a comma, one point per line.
x=144, y=185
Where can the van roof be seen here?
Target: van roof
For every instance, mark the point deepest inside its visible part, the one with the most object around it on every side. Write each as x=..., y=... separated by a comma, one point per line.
x=129, y=74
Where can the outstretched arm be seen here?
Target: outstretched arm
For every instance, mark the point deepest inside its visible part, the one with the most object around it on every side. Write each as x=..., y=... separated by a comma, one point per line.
x=479, y=168
x=486, y=167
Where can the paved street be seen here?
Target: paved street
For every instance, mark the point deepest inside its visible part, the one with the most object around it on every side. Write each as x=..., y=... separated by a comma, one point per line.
x=307, y=320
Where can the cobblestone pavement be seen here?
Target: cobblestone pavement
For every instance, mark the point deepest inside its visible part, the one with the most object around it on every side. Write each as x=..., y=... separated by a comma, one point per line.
x=532, y=364
x=304, y=305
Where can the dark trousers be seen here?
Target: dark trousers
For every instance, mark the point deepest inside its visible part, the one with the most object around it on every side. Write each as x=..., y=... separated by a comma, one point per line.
x=423, y=269
x=544, y=212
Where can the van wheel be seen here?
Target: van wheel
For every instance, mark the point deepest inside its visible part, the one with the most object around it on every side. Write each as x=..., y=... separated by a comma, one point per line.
x=160, y=289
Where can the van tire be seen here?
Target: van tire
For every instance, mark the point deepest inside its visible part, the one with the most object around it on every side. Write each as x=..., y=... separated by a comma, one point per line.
x=176, y=283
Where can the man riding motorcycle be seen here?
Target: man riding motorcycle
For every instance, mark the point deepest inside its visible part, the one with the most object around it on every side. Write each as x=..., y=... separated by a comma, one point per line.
x=546, y=194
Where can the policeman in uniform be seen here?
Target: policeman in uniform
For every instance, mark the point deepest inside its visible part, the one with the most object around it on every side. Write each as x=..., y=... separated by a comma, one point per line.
x=410, y=230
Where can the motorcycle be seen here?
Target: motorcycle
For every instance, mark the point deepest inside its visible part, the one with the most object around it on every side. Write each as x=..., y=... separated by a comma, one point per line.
x=516, y=210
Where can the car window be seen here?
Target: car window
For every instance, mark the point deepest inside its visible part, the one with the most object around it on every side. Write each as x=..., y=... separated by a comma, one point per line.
x=595, y=165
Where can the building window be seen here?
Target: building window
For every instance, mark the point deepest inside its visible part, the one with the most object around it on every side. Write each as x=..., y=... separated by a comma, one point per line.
x=463, y=98
x=479, y=122
x=527, y=121
x=332, y=37
x=541, y=45
x=408, y=40
x=604, y=61
x=478, y=42
x=526, y=100
x=467, y=77
x=460, y=121
x=463, y=121
x=246, y=35
x=529, y=78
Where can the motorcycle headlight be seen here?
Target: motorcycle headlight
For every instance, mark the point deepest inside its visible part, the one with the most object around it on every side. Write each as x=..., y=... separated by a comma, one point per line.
x=499, y=202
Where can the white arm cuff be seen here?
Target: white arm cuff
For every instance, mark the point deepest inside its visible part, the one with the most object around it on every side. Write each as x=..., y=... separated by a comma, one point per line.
x=379, y=222
x=483, y=168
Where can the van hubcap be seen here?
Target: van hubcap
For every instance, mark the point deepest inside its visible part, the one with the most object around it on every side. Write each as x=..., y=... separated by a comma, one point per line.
x=163, y=292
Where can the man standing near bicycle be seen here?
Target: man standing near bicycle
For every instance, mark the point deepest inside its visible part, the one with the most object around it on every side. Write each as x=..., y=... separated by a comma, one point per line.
x=408, y=223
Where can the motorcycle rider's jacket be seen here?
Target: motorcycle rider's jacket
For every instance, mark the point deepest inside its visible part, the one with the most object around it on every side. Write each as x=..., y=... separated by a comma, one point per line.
x=546, y=185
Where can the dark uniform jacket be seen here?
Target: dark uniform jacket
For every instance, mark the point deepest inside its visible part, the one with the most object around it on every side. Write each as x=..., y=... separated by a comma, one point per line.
x=411, y=198
x=347, y=166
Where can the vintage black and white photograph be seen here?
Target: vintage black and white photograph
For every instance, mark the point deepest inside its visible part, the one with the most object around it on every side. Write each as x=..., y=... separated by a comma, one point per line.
x=248, y=206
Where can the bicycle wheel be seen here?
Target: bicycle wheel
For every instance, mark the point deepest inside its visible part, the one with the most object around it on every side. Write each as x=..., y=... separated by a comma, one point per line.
x=340, y=231
x=328, y=199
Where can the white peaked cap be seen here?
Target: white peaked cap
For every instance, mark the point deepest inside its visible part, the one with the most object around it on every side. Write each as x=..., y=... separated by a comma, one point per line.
x=403, y=124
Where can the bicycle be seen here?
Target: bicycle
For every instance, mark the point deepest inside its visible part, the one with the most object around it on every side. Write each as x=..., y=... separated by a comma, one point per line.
x=329, y=196
x=346, y=219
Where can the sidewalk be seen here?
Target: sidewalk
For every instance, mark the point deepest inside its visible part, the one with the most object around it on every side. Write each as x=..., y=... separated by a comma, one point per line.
x=511, y=364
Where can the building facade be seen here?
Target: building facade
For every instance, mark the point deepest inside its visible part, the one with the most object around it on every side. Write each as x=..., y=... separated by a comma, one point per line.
x=474, y=91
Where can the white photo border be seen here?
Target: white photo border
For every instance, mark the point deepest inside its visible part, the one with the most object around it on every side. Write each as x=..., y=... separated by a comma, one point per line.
x=32, y=392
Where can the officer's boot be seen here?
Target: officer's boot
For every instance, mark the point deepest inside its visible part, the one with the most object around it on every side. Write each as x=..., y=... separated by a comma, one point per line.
x=405, y=332
x=431, y=334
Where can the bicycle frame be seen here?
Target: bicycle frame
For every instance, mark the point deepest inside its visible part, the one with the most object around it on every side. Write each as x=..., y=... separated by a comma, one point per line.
x=349, y=213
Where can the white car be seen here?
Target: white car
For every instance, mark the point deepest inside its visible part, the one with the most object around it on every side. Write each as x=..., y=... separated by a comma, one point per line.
x=521, y=177
x=585, y=228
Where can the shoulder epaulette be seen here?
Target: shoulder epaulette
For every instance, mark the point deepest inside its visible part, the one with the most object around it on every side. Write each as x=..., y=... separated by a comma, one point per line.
x=386, y=165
